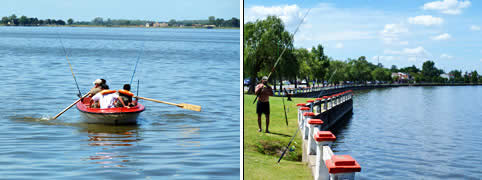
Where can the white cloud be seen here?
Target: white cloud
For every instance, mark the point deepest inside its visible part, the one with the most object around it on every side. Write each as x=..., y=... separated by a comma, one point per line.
x=418, y=51
x=447, y=6
x=446, y=56
x=391, y=33
x=426, y=20
x=384, y=58
x=474, y=28
x=339, y=45
x=415, y=51
x=443, y=36
x=290, y=14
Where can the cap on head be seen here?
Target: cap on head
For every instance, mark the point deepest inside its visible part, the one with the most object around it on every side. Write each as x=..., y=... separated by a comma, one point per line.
x=97, y=81
x=264, y=78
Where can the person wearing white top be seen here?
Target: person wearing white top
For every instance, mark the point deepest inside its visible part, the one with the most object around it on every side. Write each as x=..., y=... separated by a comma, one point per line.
x=107, y=100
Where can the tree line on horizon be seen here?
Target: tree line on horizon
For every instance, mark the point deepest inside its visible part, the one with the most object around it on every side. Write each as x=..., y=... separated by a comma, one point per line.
x=265, y=40
x=13, y=20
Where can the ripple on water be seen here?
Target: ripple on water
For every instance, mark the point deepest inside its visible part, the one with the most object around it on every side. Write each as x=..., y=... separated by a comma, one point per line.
x=180, y=66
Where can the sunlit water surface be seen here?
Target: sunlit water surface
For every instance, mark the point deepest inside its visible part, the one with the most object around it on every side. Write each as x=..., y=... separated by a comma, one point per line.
x=195, y=66
x=415, y=133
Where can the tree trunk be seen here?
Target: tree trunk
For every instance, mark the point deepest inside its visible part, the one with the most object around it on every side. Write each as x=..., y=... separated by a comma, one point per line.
x=296, y=82
x=251, y=85
x=280, y=84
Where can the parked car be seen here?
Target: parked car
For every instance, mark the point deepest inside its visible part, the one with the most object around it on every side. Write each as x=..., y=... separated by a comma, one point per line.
x=246, y=81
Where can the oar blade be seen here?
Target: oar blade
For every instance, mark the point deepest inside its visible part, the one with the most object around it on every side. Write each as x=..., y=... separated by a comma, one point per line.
x=190, y=107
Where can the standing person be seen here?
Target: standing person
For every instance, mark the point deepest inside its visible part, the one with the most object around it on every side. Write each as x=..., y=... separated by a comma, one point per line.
x=264, y=91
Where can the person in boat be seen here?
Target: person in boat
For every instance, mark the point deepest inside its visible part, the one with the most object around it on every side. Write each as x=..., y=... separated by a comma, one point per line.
x=264, y=91
x=104, y=82
x=107, y=98
x=125, y=96
x=97, y=87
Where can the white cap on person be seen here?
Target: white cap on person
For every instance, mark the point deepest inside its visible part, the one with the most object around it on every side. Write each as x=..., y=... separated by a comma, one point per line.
x=97, y=81
x=264, y=78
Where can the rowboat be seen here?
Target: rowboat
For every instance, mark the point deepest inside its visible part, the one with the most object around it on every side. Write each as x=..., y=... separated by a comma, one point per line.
x=118, y=115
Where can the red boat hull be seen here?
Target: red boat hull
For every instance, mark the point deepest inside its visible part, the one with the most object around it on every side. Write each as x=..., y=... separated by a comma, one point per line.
x=116, y=116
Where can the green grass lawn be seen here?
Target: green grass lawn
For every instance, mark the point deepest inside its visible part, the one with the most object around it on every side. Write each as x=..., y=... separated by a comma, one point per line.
x=262, y=150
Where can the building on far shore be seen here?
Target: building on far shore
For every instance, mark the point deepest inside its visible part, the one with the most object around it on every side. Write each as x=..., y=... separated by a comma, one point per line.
x=447, y=76
x=401, y=76
x=209, y=26
x=157, y=24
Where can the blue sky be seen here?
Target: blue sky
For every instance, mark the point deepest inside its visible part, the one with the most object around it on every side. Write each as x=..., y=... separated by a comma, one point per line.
x=402, y=33
x=86, y=10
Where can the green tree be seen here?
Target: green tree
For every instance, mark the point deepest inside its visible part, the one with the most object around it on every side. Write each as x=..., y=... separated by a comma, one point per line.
x=320, y=63
x=381, y=74
x=304, y=59
x=212, y=20
x=457, y=75
x=71, y=21
x=336, y=71
x=394, y=68
x=234, y=22
x=219, y=22
x=429, y=71
x=98, y=21
x=360, y=69
x=172, y=22
x=5, y=20
x=474, y=77
x=60, y=22
x=23, y=20
x=264, y=41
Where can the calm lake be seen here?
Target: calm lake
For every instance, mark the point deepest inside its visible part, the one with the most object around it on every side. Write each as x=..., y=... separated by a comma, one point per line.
x=415, y=133
x=194, y=66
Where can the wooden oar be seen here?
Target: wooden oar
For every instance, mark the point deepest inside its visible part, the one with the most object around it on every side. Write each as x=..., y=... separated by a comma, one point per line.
x=55, y=117
x=181, y=105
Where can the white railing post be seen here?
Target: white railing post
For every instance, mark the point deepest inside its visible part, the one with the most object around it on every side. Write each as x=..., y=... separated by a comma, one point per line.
x=302, y=117
x=305, y=129
x=342, y=167
x=315, y=126
x=300, y=111
x=325, y=102
x=322, y=138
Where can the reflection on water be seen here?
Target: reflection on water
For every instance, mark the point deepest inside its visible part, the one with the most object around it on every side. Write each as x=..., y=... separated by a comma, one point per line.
x=187, y=133
x=108, y=141
x=169, y=143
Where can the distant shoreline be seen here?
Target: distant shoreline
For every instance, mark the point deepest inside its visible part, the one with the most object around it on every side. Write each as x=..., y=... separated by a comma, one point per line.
x=128, y=26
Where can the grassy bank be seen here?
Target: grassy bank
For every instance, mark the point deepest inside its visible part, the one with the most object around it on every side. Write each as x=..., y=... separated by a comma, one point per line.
x=262, y=150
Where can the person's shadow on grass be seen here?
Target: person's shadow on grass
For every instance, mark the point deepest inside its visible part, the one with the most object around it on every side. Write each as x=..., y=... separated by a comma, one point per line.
x=279, y=134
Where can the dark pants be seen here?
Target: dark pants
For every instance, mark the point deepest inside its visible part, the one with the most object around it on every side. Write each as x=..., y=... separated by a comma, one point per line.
x=262, y=107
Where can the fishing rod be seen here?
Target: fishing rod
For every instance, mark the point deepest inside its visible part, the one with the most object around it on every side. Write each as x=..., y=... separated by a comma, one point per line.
x=329, y=80
x=287, y=147
x=284, y=107
x=282, y=52
x=70, y=65
x=137, y=61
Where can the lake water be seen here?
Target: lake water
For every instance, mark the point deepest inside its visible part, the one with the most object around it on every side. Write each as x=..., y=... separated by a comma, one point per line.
x=195, y=66
x=415, y=133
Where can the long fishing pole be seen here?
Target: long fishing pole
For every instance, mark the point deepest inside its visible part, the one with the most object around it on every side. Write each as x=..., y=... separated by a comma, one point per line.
x=137, y=61
x=70, y=65
x=329, y=80
x=293, y=137
x=282, y=52
x=284, y=107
